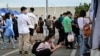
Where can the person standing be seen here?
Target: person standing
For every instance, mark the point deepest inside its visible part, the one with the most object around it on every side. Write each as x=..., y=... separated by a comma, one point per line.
x=33, y=21
x=67, y=28
x=40, y=28
x=82, y=21
x=45, y=30
x=23, y=29
x=50, y=24
x=8, y=32
x=75, y=29
x=58, y=24
x=15, y=26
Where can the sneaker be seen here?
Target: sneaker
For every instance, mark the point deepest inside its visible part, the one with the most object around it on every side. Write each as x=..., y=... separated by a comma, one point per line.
x=20, y=52
x=26, y=52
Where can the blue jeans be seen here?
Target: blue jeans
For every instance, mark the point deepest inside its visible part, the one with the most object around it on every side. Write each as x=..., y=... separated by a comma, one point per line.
x=77, y=39
x=5, y=38
x=83, y=43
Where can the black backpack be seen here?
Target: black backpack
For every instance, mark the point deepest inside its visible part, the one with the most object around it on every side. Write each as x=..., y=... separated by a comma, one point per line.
x=35, y=47
x=58, y=24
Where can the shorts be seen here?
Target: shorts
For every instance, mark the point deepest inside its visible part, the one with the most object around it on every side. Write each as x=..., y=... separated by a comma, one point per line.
x=31, y=31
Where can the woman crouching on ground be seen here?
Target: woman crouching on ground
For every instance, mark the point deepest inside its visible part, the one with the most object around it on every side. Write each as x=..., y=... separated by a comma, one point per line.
x=46, y=48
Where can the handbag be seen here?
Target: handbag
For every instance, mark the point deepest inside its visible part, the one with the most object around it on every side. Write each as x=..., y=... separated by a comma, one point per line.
x=70, y=37
x=86, y=29
x=37, y=29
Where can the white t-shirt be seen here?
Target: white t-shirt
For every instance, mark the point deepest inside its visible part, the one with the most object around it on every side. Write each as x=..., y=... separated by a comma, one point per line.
x=81, y=23
x=33, y=20
x=23, y=24
x=43, y=46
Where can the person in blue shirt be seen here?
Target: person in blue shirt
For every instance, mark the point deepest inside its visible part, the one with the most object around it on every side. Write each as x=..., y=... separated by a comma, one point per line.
x=8, y=33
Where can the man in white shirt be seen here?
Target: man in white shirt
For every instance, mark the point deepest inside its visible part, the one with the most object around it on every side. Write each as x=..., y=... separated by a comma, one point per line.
x=33, y=21
x=23, y=29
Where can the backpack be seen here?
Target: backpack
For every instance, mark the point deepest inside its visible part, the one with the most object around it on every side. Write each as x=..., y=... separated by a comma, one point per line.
x=57, y=24
x=35, y=47
x=86, y=29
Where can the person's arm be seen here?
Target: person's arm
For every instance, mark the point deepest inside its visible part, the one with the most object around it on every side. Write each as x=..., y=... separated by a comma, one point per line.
x=80, y=24
x=52, y=48
x=28, y=21
x=55, y=48
x=69, y=25
x=36, y=21
x=6, y=24
x=52, y=45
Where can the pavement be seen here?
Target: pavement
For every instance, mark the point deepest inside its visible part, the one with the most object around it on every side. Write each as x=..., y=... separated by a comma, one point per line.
x=60, y=52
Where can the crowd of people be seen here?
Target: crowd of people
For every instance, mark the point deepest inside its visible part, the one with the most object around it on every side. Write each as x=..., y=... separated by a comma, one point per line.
x=22, y=28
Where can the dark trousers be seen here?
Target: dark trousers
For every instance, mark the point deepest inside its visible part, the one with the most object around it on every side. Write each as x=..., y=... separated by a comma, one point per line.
x=45, y=52
x=66, y=41
x=61, y=36
x=51, y=31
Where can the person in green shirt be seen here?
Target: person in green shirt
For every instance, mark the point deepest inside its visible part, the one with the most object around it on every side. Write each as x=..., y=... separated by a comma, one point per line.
x=67, y=28
x=67, y=24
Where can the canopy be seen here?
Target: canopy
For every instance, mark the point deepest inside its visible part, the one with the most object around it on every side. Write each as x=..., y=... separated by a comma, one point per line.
x=4, y=10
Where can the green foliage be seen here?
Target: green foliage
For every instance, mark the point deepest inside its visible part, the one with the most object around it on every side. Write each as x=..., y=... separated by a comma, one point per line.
x=84, y=6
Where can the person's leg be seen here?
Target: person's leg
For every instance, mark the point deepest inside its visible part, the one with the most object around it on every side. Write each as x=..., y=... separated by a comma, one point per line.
x=71, y=45
x=31, y=35
x=20, y=43
x=83, y=46
x=81, y=43
x=78, y=39
x=66, y=40
x=26, y=43
x=87, y=48
x=15, y=37
x=45, y=52
x=59, y=40
x=75, y=41
x=87, y=43
x=61, y=36
x=4, y=42
x=12, y=41
x=42, y=37
x=39, y=36
x=50, y=31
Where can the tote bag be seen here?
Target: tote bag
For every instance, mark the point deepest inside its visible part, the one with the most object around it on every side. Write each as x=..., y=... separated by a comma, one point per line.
x=70, y=37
